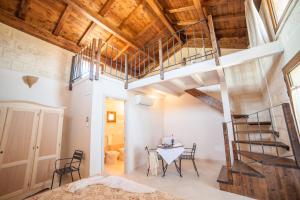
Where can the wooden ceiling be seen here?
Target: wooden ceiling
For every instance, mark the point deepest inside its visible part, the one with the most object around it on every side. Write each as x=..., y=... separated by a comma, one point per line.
x=127, y=25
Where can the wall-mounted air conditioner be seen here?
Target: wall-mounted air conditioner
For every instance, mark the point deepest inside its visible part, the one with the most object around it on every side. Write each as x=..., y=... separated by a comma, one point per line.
x=143, y=100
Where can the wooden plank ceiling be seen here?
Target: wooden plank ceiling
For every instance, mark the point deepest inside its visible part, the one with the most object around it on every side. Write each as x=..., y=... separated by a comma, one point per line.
x=127, y=25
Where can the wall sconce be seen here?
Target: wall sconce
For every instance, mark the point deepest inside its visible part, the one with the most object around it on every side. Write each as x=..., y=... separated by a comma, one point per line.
x=30, y=80
x=111, y=116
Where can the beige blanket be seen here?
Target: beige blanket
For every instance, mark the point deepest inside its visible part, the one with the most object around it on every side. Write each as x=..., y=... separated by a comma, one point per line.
x=100, y=192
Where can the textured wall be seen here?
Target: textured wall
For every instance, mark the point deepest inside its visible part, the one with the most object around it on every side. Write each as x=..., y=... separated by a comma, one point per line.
x=24, y=53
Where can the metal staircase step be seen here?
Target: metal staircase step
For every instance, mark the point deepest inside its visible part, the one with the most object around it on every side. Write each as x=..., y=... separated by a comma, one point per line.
x=239, y=116
x=242, y=168
x=262, y=123
x=276, y=133
x=267, y=159
x=265, y=143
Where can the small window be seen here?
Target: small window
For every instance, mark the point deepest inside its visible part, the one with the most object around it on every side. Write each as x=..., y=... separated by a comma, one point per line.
x=278, y=9
x=292, y=78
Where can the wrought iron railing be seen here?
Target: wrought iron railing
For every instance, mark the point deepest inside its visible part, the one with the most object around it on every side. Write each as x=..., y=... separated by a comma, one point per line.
x=188, y=45
x=268, y=132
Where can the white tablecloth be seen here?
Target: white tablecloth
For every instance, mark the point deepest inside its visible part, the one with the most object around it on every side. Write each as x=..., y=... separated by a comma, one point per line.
x=171, y=154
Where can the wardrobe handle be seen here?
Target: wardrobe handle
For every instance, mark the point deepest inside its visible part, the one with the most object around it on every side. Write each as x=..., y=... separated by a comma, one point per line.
x=1, y=152
x=37, y=147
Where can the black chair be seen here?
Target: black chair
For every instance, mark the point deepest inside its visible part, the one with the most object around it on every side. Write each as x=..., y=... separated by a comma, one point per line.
x=189, y=154
x=71, y=165
x=158, y=156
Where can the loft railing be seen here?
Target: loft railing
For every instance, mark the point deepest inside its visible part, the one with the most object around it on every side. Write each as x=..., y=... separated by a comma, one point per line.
x=188, y=45
x=271, y=131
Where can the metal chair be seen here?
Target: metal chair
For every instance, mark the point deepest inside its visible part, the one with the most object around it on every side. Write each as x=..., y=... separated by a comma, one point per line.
x=158, y=156
x=71, y=165
x=189, y=154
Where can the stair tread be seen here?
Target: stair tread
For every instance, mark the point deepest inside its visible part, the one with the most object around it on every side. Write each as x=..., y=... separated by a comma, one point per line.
x=223, y=176
x=269, y=159
x=243, y=168
x=259, y=131
x=239, y=116
x=265, y=142
x=262, y=123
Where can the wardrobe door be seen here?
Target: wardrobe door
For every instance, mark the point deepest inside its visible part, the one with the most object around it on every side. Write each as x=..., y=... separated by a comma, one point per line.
x=17, y=151
x=3, y=111
x=48, y=147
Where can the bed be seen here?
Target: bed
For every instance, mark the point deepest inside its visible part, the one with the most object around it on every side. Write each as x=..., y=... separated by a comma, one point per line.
x=104, y=188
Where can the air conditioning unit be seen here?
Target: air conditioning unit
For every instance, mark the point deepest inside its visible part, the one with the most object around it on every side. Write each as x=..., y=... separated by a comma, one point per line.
x=143, y=100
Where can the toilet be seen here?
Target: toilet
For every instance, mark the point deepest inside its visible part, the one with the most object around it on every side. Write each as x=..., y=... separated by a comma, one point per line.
x=111, y=157
x=121, y=156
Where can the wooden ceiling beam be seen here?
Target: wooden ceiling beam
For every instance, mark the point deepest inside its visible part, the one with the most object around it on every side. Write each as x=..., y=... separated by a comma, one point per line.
x=24, y=5
x=86, y=33
x=181, y=9
x=226, y=18
x=105, y=8
x=121, y=52
x=99, y=20
x=222, y=18
x=212, y=3
x=156, y=7
x=199, y=10
x=42, y=34
x=186, y=22
x=62, y=20
x=126, y=18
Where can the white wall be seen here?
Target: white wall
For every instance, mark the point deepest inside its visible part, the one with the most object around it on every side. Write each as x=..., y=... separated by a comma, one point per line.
x=190, y=120
x=22, y=54
x=78, y=122
x=143, y=125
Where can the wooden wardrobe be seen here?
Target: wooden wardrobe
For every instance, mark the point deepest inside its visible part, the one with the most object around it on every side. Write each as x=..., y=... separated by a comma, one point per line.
x=30, y=140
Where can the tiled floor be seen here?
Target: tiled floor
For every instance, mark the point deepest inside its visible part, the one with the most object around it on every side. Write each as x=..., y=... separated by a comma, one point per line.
x=189, y=187
x=114, y=169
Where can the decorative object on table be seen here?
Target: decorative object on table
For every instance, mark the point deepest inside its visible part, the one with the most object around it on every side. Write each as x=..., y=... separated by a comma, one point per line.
x=189, y=154
x=30, y=80
x=111, y=116
x=167, y=140
x=71, y=165
x=172, y=140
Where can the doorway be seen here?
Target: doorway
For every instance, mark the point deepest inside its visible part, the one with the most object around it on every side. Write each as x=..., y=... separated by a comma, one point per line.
x=114, y=136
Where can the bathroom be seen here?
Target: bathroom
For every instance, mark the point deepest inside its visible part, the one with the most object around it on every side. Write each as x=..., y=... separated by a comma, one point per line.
x=114, y=137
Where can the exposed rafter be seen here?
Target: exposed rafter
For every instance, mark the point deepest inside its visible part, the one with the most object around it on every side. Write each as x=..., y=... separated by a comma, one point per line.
x=62, y=20
x=99, y=20
x=86, y=33
x=47, y=36
x=121, y=52
x=182, y=9
x=213, y=39
x=93, y=25
x=124, y=20
x=159, y=12
x=214, y=2
x=198, y=6
x=222, y=18
x=105, y=8
x=21, y=13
